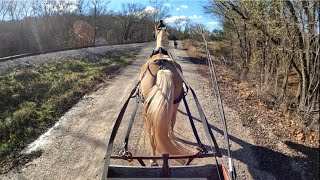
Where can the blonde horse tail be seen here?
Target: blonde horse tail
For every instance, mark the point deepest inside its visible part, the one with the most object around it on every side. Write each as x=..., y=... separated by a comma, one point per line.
x=160, y=115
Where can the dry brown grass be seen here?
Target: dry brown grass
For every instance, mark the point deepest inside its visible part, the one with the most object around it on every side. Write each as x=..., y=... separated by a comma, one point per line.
x=33, y=98
x=197, y=51
x=194, y=49
x=250, y=89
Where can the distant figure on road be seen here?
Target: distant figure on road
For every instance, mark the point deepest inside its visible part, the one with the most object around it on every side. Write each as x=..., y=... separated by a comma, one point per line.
x=161, y=24
x=175, y=43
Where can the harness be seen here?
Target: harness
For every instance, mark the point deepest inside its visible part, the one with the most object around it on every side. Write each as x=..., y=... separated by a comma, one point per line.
x=161, y=50
x=135, y=93
x=162, y=65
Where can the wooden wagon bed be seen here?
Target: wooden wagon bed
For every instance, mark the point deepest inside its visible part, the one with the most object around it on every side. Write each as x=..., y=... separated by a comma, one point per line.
x=209, y=171
x=192, y=171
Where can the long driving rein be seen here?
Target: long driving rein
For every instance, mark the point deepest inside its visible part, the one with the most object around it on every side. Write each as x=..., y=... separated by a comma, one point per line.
x=135, y=93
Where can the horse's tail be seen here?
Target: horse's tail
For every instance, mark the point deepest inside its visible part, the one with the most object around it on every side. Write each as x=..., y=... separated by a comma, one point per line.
x=160, y=115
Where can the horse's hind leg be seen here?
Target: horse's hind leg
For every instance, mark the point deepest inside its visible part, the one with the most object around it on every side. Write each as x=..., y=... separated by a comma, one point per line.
x=153, y=162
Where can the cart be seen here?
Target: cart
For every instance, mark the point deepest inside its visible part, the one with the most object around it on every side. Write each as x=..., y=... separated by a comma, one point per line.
x=213, y=171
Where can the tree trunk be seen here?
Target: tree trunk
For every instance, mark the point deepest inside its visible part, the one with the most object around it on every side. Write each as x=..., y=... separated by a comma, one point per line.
x=245, y=68
x=232, y=53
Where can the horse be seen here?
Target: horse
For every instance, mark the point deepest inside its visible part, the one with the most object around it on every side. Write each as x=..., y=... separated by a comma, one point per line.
x=161, y=89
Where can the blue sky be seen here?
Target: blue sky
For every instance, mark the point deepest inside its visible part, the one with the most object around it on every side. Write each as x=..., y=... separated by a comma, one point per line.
x=179, y=9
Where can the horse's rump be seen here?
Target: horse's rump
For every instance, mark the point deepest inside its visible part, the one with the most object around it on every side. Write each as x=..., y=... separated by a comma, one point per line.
x=160, y=87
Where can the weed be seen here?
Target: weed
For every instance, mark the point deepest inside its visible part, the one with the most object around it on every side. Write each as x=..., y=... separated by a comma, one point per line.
x=32, y=99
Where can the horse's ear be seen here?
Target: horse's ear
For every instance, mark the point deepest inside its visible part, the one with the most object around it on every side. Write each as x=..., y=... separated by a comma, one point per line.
x=165, y=28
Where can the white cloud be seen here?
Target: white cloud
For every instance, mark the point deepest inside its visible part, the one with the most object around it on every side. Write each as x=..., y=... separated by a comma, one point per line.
x=184, y=6
x=181, y=18
x=213, y=23
x=167, y=4
x=177, y=9
x=151, y=10
x=61, y=6
x=195, y=17
x=174, y=18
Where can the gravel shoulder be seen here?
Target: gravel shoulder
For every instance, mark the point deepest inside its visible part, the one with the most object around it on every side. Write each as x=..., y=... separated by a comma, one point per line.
x=75, y=147
x=91, y=53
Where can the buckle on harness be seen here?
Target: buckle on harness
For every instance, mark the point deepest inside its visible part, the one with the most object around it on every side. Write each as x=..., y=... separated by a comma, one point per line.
x=160, y=63
x=201, y=150
x=161, y=50
x=126, y=154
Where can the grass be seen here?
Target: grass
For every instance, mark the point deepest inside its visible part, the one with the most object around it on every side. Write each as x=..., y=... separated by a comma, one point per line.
x=32, y=99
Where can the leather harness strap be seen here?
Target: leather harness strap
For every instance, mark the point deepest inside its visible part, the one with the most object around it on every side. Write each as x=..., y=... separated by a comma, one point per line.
x=209, y=134
x=115, y=128
x=161, y=50
x=161, y=64
x=134, y=93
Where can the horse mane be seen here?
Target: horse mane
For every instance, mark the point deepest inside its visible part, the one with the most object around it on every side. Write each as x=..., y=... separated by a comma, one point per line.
x=162, y=37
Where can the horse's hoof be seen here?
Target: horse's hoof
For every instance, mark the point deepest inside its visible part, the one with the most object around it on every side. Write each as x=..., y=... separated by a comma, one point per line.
x=154, y=163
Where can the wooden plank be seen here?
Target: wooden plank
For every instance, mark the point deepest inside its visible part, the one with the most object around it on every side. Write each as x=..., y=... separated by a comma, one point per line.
x=170, y=157
x=205, y=171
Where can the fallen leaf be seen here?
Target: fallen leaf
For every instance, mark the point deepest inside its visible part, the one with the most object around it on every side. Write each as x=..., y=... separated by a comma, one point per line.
x=300, y=136
x=313, y=137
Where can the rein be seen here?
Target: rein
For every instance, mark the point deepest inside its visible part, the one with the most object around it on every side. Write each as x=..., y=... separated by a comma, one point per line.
x=135, y=93
x=209, y=134
x=161, y=50
x=161, y=63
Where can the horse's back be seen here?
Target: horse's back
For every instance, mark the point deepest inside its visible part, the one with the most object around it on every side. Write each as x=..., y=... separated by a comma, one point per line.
x=150, y=69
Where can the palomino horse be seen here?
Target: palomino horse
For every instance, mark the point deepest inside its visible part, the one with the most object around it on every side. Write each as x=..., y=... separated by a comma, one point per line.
x=162, y=89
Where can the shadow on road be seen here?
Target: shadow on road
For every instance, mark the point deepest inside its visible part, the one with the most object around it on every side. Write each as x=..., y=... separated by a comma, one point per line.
x=279, y=165
x=194, y=60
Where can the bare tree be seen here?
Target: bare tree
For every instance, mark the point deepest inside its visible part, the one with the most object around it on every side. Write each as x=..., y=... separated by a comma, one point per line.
x=26, y=9
x=130, y=18
x=98, y=7
x=14, y=10
x=161, y=11
x=3, y=9
x=181, y=23
x=81, y=6
x=37, y=25
x=277, y=38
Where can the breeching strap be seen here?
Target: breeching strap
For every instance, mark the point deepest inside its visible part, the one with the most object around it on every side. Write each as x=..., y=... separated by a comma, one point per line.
x=132, y=118
x=193, y=126
x=114, y=133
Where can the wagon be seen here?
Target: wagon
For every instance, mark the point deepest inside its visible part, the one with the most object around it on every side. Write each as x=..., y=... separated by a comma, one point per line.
x=214, y=171
x=209, y=171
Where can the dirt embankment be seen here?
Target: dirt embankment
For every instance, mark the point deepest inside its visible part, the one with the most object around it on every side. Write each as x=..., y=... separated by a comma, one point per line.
x=279, y=145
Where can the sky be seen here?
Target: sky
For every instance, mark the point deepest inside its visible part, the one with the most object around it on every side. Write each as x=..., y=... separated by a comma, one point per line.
x=178, y=9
